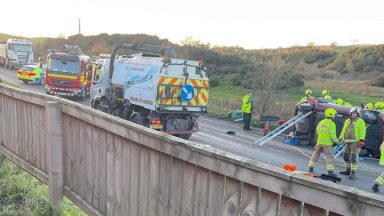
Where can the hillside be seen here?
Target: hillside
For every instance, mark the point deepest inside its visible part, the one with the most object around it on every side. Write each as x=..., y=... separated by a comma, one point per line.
x=356, y=69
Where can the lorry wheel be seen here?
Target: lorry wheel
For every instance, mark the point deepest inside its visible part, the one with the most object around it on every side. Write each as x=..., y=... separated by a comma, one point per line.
x=184, y=136
x=137, y=119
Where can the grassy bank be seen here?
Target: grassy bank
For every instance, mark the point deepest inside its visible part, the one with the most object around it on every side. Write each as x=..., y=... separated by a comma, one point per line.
x=227, y=98
x=22, y=194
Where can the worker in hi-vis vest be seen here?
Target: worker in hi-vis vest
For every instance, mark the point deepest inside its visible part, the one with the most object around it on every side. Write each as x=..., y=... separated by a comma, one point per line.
x=353, y=134
x=380, y=180
x=326, y=136
x=247, y=108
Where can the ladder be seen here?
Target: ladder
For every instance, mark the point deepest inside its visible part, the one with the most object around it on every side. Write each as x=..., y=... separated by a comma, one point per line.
x=74, y=49
x=337, y=150
x=281, y=129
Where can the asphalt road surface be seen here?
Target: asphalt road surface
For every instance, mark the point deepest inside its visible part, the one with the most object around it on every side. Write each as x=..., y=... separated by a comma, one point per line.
x=213, y=133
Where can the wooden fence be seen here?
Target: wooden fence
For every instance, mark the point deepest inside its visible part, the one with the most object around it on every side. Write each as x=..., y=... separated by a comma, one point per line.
x=108, y=166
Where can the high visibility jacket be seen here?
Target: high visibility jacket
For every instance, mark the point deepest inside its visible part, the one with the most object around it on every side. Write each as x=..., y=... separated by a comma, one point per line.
x=326, y=132
x=347, y=104
x=359, y=130
x=327, y=97
x=382, y=154
x=37, y=72
x=247, y=104
x=305, y=99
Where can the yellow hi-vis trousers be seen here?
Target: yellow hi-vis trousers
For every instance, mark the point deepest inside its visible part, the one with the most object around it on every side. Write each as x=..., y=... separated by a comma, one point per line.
x=380, y=179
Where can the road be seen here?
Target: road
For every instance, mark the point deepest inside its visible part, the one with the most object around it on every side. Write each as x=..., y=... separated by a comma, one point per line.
x=213, y=133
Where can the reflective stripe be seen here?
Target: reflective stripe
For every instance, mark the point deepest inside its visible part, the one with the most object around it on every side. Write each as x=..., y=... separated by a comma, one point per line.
x=311, y=164
x=175, y=85
x=379, y=180
x=348, y=166
x=330, y=167
x=62, y=76
x=355, y=167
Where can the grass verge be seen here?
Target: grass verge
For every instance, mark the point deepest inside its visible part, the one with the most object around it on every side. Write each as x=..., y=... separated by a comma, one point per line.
x=22, y=194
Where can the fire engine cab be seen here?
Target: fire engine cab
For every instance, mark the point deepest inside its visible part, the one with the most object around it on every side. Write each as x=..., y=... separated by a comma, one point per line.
x=68, y=73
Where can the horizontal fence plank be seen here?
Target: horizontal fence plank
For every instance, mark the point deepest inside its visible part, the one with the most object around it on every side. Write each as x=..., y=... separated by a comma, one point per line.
x=115, y=167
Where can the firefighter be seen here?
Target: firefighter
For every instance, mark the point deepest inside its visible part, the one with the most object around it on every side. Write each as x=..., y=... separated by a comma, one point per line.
x=379, y=106
x=247, y=109
x=380, y=180
x=369, y=106
x=340, y=101
x=326, y=136
x=353, y=134
x=325, y=95
x=307, y=96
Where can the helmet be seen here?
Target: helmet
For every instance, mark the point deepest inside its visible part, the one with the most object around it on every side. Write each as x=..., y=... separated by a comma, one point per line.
x=324, y=92
x=339, y=101
x=369, y=106
x=353, y=110
x=330, y=113
x=379, y=105
x=308, y=92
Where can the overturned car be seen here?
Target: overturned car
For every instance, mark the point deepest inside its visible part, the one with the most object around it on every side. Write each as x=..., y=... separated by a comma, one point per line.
x=305, y=129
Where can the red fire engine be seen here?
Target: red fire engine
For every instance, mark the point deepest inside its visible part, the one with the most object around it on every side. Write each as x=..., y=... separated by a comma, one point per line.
x=68, y=73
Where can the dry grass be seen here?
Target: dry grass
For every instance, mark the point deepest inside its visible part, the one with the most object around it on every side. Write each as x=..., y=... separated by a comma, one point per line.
x=353, y=87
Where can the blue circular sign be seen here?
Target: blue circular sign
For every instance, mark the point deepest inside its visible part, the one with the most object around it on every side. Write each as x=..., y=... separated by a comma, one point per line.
x=187, y=93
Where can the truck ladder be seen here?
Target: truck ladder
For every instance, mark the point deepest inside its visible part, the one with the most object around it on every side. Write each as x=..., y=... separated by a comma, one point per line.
x=281, y=129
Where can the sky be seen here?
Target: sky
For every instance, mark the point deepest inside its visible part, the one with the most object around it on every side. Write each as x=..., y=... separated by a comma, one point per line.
x=251, y=24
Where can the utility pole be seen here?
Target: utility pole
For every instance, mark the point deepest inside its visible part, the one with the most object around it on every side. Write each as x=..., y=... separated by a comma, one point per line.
x=79, y=27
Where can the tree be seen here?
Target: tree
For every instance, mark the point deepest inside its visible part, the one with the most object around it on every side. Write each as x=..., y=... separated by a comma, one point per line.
x=273, y=72
x=190, y=41
x=61, y=36
x=99, y=48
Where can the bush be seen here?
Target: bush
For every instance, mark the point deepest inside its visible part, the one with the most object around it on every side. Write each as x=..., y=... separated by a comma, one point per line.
x=236, y=80
x=327, y=76
x=379, y=82
x=317, y=57
x=214, y=81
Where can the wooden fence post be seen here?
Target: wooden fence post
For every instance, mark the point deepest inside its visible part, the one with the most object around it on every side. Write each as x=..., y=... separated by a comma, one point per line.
x=55, y=155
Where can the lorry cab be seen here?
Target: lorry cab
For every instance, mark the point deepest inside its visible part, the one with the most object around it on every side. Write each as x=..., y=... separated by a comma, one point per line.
x=305, y=130
x=16, y=53
x=68, y=74
x=99, y=80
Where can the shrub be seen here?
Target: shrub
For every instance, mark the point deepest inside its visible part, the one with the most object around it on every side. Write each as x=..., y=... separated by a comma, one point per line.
x=214, y=81
x=327, y=76
x=379, y=81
